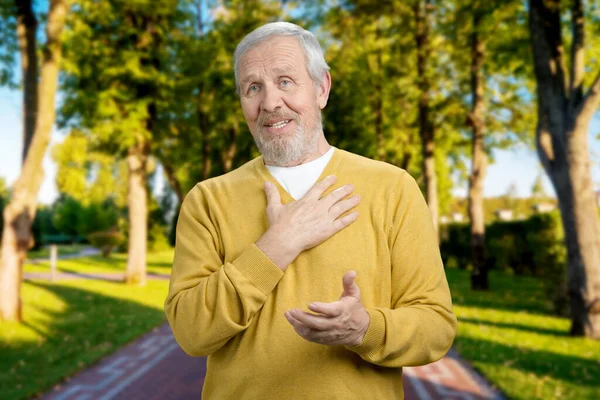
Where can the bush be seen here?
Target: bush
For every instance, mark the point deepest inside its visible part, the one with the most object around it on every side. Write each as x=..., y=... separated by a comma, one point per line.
x=455, y=245
x=534, y=246
x=549, y=254
x=106, y=241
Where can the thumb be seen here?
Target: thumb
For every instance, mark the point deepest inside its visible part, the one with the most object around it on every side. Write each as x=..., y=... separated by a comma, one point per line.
x=273, y=198
x=350, y=287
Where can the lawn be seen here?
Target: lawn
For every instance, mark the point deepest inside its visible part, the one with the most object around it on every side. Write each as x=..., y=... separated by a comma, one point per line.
x=508, y=333
x=71, y=324
x=510, y=336
x=158, y=263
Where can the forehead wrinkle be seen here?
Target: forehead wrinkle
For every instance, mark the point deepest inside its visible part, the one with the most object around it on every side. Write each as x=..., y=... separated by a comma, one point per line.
x=259, y=57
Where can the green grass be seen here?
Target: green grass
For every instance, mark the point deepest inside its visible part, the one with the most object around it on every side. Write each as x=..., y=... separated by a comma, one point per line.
x=62, y=251
x=158, y=263
x=70, y=325
x=508, y=333
x=510, y=336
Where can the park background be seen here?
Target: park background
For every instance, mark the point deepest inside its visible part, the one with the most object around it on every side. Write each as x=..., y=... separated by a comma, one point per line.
x=148, y=86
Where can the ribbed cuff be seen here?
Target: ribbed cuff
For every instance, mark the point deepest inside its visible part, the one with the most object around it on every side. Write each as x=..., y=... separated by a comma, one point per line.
x=259, y=269
x=374, y=338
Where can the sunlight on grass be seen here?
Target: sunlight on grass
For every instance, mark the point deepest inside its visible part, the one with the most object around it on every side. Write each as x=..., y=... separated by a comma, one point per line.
x=158, y=263
x=69, y=326
x=510, y=336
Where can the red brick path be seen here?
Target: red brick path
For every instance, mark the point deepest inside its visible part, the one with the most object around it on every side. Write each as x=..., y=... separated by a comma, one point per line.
x=154, y=367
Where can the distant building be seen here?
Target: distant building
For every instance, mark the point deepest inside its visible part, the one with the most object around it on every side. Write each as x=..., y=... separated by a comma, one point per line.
x=543, y=207
x=504, y=215
x=457, y=217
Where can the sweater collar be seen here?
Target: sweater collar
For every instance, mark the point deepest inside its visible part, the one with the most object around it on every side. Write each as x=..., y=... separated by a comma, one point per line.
x=330, y=169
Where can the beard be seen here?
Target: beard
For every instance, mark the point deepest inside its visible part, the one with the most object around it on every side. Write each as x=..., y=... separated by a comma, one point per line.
x=286, y=150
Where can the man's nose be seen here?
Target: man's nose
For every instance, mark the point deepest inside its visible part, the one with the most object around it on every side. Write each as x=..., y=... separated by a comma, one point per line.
x=272, y=100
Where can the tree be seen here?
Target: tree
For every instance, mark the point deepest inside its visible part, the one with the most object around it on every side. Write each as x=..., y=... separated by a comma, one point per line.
x=200, y=126
x=422, y=11
x=20, y=211
x=116, y=80
x=492, y=81
x=565, y=109
x=4, y=196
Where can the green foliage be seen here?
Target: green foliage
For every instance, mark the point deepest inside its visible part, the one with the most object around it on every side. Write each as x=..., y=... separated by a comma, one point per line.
x=67, y=212
x=4, y=197
x=9, y=49
x=529, y=247
x=43, y=227
x=106, y=241
x=509, y=243
x=76, y=219
x=546, y=240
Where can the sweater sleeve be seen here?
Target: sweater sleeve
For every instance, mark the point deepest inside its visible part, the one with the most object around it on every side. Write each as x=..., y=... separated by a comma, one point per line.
x=420, y=326
x=210, y=301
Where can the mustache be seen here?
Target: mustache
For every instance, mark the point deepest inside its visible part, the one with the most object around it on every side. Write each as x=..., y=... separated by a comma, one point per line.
x=263, y=118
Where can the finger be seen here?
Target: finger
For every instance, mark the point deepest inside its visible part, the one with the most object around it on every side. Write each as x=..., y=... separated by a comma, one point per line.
x=312, y=321
x=320, y=187
x=341, y=207
x=298, y=326
x=334, y=309
x=350, y=286
x=338, y=194
x=344, y=221
x=273, y=198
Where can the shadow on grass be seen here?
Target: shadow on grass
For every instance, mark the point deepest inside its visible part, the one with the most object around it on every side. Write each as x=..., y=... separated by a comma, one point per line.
x=89, y=326
x=542, y=363
x=506, y=292
x=520, y=327
x=117, y=276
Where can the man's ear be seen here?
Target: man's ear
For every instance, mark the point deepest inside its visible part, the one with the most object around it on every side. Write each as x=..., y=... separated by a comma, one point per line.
x=323, y=90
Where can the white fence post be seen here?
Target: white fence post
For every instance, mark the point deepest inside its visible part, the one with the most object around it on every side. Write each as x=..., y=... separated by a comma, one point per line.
x=53, y=253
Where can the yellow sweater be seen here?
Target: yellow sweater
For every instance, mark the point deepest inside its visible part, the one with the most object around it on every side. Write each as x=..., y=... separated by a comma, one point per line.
x=227, y=299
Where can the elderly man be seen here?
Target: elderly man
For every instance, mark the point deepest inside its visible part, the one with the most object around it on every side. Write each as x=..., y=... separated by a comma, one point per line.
x=287, y=232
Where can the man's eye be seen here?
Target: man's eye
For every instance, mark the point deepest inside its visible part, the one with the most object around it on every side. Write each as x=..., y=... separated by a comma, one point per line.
x=253, y=89
x=285, y=82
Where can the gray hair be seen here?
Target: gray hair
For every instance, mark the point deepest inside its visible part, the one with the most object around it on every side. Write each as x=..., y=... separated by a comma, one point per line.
x=315, y=61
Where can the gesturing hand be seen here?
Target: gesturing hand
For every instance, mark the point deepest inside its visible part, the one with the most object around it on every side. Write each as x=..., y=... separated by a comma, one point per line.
x=311, y=219
x=343, y=322
x=305, y=223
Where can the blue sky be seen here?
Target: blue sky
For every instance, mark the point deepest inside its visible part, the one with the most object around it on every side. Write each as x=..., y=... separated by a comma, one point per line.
x=519, y=166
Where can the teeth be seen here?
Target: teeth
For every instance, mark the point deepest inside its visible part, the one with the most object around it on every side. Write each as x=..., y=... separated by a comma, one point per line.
x=280, y=124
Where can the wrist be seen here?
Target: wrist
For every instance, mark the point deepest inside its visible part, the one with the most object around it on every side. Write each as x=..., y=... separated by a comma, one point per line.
x=276, y=245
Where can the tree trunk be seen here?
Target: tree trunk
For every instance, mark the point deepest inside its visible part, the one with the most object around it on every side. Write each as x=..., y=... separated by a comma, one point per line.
x=229, y=154
x=20, y=211
x=564, y=114
x=173, y=181
x=26, y=31
x=479, y=275
x=138, y=212
x=203, y=125
x=426, y=131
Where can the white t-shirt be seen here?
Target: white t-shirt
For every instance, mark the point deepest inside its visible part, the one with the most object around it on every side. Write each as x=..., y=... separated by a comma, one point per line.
x=298, y=180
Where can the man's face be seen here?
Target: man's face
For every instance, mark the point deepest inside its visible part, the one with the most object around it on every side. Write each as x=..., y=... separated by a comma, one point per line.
x=281, y=104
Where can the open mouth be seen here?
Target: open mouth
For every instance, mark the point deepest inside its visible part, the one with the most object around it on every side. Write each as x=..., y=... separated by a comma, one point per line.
x=279, y=125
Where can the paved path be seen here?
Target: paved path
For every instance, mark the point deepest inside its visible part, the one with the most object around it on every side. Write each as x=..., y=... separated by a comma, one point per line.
x=107, y=276
x=154, y=367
